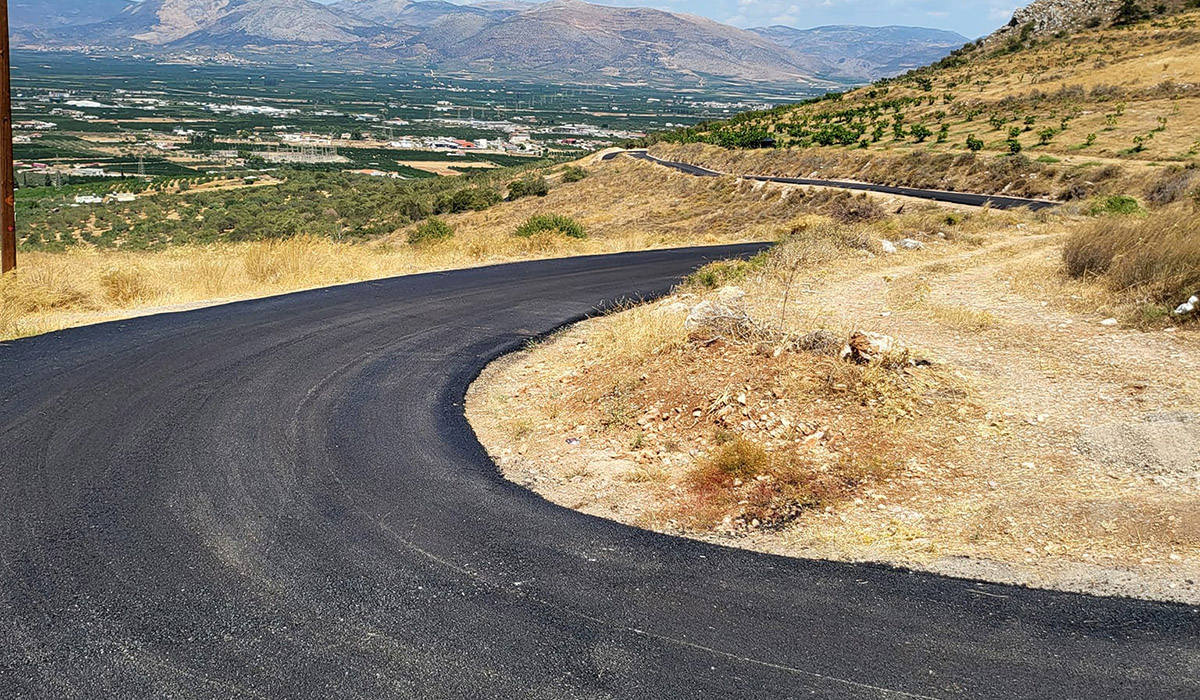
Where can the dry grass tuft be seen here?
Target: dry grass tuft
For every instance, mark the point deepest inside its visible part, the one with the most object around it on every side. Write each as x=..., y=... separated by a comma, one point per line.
x=126, y=286
x=741, y=482
x=1150, y=260
x=963, y=318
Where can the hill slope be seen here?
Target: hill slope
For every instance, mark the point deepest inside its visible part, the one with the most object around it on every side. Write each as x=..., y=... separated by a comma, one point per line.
x=1073, y=106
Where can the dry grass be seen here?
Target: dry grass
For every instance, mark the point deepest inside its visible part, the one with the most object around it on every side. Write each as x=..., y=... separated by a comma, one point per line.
x=963, y=318
x=625, y=206
x=1150, y=260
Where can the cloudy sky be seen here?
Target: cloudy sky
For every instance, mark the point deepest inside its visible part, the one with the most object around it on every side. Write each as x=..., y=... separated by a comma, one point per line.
x=972, y=18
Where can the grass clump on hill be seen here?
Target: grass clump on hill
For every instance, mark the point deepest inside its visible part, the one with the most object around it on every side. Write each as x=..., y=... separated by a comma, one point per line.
x=431, y=230
x=1152, y=260
x=551, y=223
x=529, y=186
x=574, y=173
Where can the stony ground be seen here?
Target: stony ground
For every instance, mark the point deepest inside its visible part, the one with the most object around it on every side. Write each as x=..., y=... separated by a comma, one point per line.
x=1047, y=444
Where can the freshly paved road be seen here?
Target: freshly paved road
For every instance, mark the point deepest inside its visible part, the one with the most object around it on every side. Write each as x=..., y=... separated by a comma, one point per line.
x=282, y=499
x=974, y=200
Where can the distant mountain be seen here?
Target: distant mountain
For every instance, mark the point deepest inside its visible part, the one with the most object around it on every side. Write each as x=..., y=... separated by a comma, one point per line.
x=867, y=53
x=231, y=24
x=41, y=15
x=576, y=39
x=384, y=12
x=560, y=39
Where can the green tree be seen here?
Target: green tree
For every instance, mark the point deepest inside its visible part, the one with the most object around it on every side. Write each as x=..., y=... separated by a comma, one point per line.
x=1130, y=12
x=974, y=144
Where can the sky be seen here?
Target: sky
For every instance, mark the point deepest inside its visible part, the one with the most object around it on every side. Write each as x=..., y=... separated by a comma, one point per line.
x=971, y=18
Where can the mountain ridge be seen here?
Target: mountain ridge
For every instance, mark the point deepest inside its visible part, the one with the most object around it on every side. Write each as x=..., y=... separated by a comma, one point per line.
x=563, y=39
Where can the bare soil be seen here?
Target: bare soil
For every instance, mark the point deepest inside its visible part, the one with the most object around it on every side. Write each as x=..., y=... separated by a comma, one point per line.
x=1042, y=447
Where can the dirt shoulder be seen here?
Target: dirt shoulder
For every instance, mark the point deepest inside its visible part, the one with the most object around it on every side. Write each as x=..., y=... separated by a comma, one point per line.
x=1034, y=442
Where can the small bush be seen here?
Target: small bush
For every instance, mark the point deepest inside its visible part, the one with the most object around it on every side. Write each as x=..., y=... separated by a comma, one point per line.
x=850, y=209
x=430, y=231
x=1121, y=204
x=529, y=186
x=551, y=223
x=574, y=173
x=722, y=272
x=741, y=480
x=737, y=459
x=1172, y=186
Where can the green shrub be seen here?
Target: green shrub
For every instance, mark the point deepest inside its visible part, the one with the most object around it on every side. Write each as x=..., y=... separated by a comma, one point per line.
x=529, y=186
x=574, y=173
x=974, y=143
x=723, y=272
x=430, y=231
x=1115, y=204
x=551, y=223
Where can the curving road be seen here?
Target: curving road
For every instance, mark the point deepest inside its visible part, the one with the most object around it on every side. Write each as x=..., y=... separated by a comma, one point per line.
x=974, y=200
x=282, y=499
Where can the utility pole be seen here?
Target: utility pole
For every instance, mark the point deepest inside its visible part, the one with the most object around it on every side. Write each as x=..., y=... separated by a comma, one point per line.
x=8, y=212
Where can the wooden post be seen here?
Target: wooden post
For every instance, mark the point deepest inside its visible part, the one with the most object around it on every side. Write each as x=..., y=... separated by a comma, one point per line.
x=8, y=209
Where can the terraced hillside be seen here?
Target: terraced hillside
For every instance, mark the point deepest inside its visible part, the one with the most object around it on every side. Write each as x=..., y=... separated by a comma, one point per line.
x=1070, y=109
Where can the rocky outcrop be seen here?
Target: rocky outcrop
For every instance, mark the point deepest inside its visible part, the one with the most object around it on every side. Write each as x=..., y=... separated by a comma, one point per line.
x=1047, y=17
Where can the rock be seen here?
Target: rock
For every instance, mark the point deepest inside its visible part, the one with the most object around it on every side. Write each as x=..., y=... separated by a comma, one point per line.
x=730, y=295
x=912, y=244
x=867, y=347
x=820, y=342
x=1188, y=306
x=675, y=308
x=711, y=320
x=888, y=247
x=1109, y=322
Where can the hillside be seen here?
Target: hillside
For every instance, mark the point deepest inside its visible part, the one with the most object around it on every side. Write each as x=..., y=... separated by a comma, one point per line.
x=1055, y=114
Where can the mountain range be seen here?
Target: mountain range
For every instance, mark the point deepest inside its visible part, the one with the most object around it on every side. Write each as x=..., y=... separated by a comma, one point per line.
x=559, y=39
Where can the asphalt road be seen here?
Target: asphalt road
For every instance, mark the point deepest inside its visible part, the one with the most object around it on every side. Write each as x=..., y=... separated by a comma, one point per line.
x=973, y=200
x=282, y=499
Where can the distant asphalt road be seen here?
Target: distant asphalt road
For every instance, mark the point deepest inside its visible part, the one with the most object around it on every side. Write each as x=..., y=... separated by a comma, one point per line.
x=966, y=198
x=282, y=498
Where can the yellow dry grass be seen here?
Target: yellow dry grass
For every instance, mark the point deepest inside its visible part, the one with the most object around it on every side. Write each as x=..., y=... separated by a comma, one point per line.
x=445, y=168
x=624, y=206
